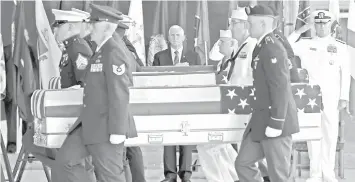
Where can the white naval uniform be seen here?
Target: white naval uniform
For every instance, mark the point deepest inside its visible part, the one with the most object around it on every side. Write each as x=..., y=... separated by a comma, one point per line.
x=330, y=70
x=217, y=161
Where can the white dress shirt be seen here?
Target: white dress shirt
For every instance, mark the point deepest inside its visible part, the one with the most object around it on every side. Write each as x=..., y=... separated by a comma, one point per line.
x=173, y=53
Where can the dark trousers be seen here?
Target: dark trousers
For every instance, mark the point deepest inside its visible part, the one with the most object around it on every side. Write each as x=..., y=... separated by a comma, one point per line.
x=135, y=158
x=71, y=161
x=277, y=152
x=10, y=112
x=185, y=161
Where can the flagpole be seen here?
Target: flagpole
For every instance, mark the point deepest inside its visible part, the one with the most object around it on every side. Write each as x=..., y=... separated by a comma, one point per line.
x=206, y=58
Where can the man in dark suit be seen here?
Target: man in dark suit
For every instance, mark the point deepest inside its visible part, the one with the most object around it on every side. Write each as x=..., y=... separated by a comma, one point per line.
x=178, y=56
x=274, y=118
x=105, y=121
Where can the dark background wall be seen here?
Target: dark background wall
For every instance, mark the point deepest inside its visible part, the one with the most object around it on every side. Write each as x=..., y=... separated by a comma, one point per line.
x=218, y=12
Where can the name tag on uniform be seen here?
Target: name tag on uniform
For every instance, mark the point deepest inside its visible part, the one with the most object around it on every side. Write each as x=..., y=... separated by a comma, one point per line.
x=96, y=67
x=242, y=55
x=313, y=49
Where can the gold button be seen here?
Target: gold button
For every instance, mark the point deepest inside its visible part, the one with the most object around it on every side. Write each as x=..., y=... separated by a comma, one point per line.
x=84, y=105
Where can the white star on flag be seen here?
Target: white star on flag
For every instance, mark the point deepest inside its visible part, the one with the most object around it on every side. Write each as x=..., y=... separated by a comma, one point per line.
x=231, y=93
x=225, y=79
x=231, y=111
x=300, y=93
x=300, y=110
x=243, y=103
x=312, y=103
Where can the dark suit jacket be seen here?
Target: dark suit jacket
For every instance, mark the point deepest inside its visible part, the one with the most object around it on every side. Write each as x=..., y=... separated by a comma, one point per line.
x=106, y=95
x=274, y=105
x=163, y=58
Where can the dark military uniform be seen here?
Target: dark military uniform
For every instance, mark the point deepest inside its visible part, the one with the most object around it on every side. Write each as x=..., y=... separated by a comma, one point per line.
x=273, y=108
x=134, y=154
x=74, y=61
x=105, y=112
x=92, y=44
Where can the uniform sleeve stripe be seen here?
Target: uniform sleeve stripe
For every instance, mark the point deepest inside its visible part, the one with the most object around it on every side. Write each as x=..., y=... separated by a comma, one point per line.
x=40, y=107
x=277, y=119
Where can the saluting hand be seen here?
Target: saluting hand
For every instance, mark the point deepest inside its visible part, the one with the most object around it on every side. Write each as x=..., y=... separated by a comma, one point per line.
x=117, y=139
x=271, y=132
x=343, y=104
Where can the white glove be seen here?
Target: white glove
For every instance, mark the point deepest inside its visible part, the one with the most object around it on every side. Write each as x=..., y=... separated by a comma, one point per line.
x=117, y=139
x=74, y=87
x=271, y=132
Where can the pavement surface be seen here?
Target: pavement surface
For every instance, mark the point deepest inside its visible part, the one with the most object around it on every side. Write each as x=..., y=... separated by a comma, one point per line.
x=154, y=162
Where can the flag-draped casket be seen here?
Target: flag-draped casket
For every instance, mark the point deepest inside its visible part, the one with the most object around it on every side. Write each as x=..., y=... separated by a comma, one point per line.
x=174, y=107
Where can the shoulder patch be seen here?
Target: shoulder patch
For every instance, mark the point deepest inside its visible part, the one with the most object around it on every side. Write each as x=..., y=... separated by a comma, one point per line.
x=340, y=41
x=81, y=62
x=119, y=70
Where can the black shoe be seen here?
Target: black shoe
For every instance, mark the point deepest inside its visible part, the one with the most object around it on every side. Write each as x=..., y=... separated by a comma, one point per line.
x=169, y=180
x=266, y=179
x=11, y=147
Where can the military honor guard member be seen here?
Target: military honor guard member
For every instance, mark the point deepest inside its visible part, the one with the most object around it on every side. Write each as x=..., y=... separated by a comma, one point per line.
x=75, y=56
x=217, y=160
x=327, y=61
x=274, y=118
x=86, y=28
x=105, y=121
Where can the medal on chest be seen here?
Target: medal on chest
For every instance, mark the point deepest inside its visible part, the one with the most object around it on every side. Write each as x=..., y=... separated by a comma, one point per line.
x=332, y=49
x=64, y=60
x=96, y=67
x=255, y=62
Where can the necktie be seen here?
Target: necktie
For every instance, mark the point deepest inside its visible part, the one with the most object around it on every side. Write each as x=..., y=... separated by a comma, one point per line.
x=176, y=59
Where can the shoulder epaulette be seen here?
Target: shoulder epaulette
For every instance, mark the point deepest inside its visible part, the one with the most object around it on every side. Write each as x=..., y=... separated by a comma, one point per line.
x=340, y=41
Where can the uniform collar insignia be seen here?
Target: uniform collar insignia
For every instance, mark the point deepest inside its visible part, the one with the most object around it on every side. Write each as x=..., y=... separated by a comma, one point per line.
x=70, y=40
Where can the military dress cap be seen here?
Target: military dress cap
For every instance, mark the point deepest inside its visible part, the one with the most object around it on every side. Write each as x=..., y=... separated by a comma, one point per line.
x=62, y=16
x=239, y=14
x=104, y=13
x=323, y=17
x=84, y=13
x=260, y=10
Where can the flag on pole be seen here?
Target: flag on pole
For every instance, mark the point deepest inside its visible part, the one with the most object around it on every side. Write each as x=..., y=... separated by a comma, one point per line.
x=202, y=31
x=304, y=14
x=135, y=33
x=290, y=12
x=334, y=9
x=160, y=31
x=25, y=78
x=49, y=54
x=2, y=70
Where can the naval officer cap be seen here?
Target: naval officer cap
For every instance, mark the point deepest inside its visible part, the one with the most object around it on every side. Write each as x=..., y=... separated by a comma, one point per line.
x=104, y=13
x=62, y=17
x=260, y=10
x=323, y=17
x=239, y=14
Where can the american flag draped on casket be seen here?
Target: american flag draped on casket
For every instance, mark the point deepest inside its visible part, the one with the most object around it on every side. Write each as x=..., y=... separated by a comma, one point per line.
x=175, y=108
